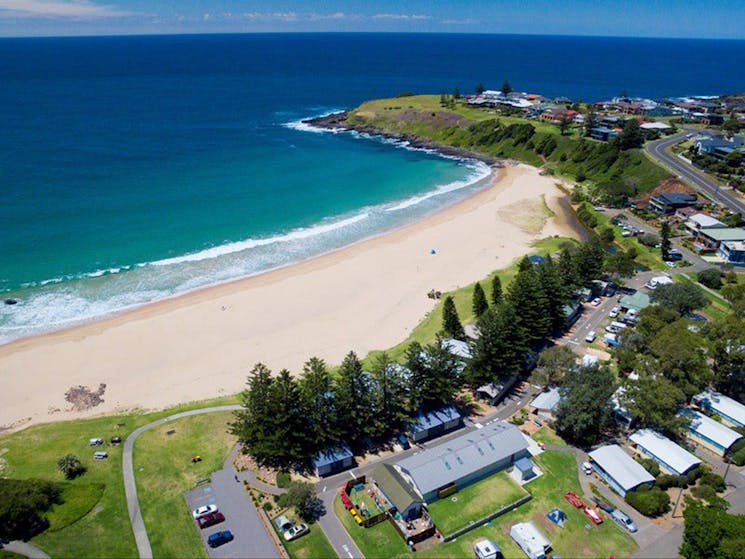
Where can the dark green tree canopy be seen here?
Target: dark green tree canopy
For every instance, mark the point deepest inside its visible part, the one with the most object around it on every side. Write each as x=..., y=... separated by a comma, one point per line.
x=683, y=297
x=496, y=290
x=584, y=410
x=22, y=507
x=479, y=303
x=451, y=324
x=631, y=137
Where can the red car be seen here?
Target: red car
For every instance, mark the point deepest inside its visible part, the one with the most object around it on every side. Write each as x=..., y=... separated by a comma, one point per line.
x=210, y=520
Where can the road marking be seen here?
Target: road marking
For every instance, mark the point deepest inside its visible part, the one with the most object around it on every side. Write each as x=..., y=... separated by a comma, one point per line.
x=345, y=547
x=352, y=474
x=324, y=489
x=575, y=342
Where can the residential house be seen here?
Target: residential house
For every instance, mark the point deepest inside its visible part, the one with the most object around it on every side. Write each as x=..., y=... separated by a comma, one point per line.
x=399, y=494
x=428, y=425
x=668, y=202
x=672, y=458
x=730, y=411
x=333, y=460
x=700, y=221
x=602, y=133
x=718, y=146
x=494, y=393
x=462, y=461
x=659, y=126
x=546, y=402
x=710, y=433
x=709, y=240
x=636, y=302
x=619, y=470
x=733, y=252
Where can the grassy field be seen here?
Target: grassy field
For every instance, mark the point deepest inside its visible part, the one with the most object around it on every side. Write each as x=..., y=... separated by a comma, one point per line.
x=77, y=500
x=474, y=502
x=548, y=436
x=105, y=530
x=425, y=332
x=718, y=309
x=459, y=126
x=379, y=542
x=164, y=473
x=313, y=545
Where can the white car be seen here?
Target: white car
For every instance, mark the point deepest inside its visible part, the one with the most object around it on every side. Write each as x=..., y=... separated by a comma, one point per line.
x=596, y=302
x=626, y=233
x=295, y=532
x=614, y=312
x=203, y=511
x=590, y=337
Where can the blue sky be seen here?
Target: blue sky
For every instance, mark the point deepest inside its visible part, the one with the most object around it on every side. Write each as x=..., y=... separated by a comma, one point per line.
x=647, y=18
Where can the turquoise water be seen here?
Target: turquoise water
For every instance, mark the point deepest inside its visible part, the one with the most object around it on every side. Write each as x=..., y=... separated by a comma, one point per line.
x=136, y=168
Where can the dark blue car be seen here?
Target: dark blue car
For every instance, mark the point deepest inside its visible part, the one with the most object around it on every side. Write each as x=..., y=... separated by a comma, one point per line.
x=219, y=538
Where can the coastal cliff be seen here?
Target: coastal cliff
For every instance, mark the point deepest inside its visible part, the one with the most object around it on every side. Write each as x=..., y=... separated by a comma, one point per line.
x=340, y=121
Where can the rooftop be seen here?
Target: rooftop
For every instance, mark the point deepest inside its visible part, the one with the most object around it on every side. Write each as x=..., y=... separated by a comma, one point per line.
x=637, y=301
x=450, y=461
x=676, y=198
x=665, y=450
x=457, y=348
x=704, y=220
x=735, y=245
x=547, y=400
x=722, y=405
x=434, y=418
x=401, y=495
x=726, y=234
x=626, y=471
x=331, y=455
x=712, y=430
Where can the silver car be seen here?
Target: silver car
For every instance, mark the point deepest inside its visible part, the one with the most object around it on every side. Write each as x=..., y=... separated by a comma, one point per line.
x=622, y=519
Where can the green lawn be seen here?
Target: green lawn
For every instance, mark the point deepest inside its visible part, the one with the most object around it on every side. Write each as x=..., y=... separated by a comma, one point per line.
x=379, y=542
x=78, y=499
x=548, y=436
x=474, y=502
x=313, y=545
x=718, y=309
x=164, y=472
x=425, y=332
x=105, y=530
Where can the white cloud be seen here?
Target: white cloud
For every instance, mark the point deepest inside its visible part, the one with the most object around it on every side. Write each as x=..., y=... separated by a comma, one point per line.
x=467, y=21
x=271, y=16
x=82, y=9
x=402, y=17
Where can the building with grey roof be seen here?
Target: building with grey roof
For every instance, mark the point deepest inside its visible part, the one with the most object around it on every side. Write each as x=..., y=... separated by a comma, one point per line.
x=463, y=460
x=730, y=411
x=399, y=494
x=620, y=470
x=671, y=457
x=709, y=433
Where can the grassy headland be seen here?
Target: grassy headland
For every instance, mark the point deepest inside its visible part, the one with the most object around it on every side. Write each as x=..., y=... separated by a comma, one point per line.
x=610, y=173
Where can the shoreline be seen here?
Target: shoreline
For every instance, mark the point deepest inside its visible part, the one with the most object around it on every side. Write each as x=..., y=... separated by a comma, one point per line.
x=337, y=122
x=202, y=344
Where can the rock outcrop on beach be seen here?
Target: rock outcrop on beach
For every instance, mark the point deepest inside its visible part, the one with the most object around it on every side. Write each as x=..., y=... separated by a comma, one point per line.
x=338, y=121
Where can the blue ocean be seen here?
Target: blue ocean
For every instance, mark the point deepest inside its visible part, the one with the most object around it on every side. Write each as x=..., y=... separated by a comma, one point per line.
x=136, y=168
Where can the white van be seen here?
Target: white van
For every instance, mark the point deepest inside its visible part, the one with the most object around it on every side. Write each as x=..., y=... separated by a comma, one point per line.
x=591, y=337
x=587, y=468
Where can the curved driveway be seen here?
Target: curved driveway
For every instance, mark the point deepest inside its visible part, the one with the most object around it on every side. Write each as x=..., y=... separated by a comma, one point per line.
x=658, y=150
x=130, y=487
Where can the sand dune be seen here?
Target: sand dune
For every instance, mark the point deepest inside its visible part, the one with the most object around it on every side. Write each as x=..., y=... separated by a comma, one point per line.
x=203, y=344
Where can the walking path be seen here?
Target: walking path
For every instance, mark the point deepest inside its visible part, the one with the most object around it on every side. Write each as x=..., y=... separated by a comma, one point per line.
x=130, y=487
x=24, y=548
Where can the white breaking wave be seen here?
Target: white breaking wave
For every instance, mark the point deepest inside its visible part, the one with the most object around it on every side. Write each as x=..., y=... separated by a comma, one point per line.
x=229, y=248
x=480, y=173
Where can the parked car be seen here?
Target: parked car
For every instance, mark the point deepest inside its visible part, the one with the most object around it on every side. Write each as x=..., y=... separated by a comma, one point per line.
x=603, y=504
x=627, y=290
x=587, y=468
x=100, y=455
x=219, y=538
x=626, y=233
x=596, y=302
x=210, y=520
x=612, y=329
x=614, y=312
x=116, y=439
x=403, y=441
x=591, y=337
x=622, y=519
x=204, y=511
x=295, y=532
x=95, y=442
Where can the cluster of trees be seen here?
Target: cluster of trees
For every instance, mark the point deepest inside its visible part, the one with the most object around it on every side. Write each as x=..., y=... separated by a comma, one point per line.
x=22, y=507
x=711, y=533
x=302, y=497
x=650, y=501
x=285, y=421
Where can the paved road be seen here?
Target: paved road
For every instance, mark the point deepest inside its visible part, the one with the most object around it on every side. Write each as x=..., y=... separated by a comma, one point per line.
x=130, y=487
x=658, y=150
x=25, y=548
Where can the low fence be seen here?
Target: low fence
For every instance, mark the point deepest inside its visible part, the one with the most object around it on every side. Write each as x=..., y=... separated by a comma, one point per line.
x=488, y=518
x=415, y=538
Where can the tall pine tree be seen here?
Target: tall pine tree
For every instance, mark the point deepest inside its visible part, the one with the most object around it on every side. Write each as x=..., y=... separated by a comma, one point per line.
x=317, y=396
x=496, y=290
x=479, y=303
x=354, y=400
x=254, y=425
x=451, y=324
x=391, y=395
x=527, y=297
x=553, y=289
x=289, y=440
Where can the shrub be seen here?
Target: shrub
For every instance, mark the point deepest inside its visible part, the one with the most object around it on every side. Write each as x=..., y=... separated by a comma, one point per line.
x=22, y=507
x=651, y=466
x=715, y=481
x=738, y=457
x=666, y=481
x=268, y=506
x=708, y=493
x=711, y=278
x=649, y=239
x=518, y=420
x=650, y=502
x=283, y=479
x=70, y=466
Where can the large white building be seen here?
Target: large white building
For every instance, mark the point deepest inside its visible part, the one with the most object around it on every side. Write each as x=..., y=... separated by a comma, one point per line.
x=671, y=457
x=620, y=470
x=730, y=411
x=709, y=433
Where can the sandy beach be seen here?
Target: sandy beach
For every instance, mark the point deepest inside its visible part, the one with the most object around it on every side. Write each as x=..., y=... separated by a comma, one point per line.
x=203, y=344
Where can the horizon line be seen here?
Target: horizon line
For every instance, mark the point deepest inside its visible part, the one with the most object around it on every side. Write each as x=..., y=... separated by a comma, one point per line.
x=459, y=33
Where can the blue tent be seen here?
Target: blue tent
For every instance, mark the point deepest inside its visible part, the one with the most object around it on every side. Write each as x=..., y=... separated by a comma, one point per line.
x=557, y=516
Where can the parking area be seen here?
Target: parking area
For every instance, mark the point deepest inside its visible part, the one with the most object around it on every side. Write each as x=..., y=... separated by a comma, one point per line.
x=241, y=518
